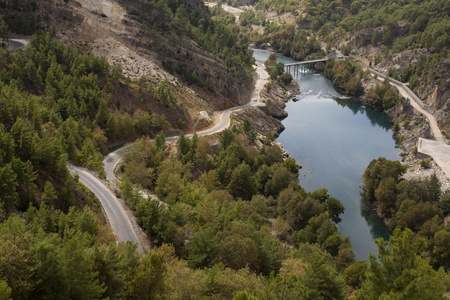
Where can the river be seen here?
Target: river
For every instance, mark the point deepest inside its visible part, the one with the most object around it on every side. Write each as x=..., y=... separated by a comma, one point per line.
x=335, y=138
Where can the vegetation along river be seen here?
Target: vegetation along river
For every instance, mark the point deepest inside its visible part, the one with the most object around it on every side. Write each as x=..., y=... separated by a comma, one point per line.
x=334, y=139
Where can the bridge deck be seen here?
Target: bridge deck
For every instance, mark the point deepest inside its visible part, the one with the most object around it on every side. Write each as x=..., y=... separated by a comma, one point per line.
x=306, y=62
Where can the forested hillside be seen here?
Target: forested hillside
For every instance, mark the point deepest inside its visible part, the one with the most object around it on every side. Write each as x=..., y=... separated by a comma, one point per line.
x=232, y=220
x=408, y=40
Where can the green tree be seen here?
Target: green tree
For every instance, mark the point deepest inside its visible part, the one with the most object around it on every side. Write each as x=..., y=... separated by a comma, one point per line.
x=242, y=183
x=49, y=195
x=355, y=273
x=227, y=138
x=335, y=208
x=444, y=203
x=202, y=247
x=160, y=140
x=386, y=194
x=148, y=280
x=378, y=170
x=400, y=272
x=279, y=287
x=5, y=291
x=4, y=32
x=16, y=260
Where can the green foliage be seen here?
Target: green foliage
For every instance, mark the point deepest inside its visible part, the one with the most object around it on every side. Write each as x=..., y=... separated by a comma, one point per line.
x=378, y=170
x=242, y=182
x=47, y=254
x=276, y=70
x=393, y=25
x=148, y=279
x=215, y=35
x=382, y=97
x=444, y=203
x=400, y=271
x=414, y=204
x=202, y=247
x=414, y=215
x=355, y=273
x=227, y=138
x=5, y=291
x=344, y=77
x=224, y=226
x=4, y=32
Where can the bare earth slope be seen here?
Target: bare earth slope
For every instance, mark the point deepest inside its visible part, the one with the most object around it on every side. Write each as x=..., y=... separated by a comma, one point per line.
x=124, y=32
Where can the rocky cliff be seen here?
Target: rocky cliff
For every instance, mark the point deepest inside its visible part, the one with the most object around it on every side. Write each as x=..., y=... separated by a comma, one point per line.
x=275, y=95
x=433, y=90
x=143, y=42
x=268, y=117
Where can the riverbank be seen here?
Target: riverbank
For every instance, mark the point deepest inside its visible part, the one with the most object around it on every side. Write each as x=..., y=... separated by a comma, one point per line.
x=267, y=116
x=411, y=121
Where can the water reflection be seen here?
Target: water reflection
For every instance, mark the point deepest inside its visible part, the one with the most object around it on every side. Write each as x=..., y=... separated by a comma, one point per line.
x=334, y=138
x=376, y=119
x=377, y=228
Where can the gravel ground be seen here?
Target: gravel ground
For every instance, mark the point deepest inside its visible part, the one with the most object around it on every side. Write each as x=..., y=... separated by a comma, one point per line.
x=416, y=171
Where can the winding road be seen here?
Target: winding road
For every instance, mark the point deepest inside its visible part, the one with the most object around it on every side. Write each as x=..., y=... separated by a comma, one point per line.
x=438, y=148
x=17, y=43
x=115, y=212
x=222, y=121
x=118, y=218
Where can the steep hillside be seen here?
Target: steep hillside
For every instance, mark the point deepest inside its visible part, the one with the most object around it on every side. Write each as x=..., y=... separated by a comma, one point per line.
x=408, y=40
x=175, y=41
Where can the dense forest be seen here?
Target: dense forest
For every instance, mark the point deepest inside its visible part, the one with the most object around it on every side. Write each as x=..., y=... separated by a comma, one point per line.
x=231, y=220
x=417, y=204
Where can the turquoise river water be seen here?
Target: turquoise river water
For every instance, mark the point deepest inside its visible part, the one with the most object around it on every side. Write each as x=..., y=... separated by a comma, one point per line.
x=335, y=138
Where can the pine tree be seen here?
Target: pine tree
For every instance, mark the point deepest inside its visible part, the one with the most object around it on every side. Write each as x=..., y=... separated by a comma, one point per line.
x=49, y=195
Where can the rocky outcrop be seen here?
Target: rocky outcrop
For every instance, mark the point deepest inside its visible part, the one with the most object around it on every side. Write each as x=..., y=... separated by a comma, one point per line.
x=261, y=121
x=267, y=117
x=401, y=60
x=433, y=90
x=274, y=109
x=275, y=96
x=437, y=95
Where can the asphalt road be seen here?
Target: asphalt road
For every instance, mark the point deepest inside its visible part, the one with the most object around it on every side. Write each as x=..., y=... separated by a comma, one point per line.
x=114, y=211
x=17, y=43
x=438, y=149
x=116, y=214
x=222, y=121
x=119, y=220
x=416, y=103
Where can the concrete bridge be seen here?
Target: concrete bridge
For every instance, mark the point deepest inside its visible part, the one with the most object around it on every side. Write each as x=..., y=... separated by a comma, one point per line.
x=295, y=67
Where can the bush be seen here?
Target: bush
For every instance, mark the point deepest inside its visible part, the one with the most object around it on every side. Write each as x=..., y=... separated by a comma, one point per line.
x=286, y=78
x=425, y=163
x=396, y=126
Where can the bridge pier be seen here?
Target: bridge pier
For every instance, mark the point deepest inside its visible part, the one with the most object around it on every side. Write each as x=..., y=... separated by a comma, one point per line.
x=296, y=67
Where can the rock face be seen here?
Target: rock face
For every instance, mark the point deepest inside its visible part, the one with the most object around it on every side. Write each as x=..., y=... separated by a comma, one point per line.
x=144, y=42
x=274, y=109
x=411, y=125
x=265, y=118
x=400, y=60
x=275, y=96
x=436, y=89
x=261, y=121
x=437, y=96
